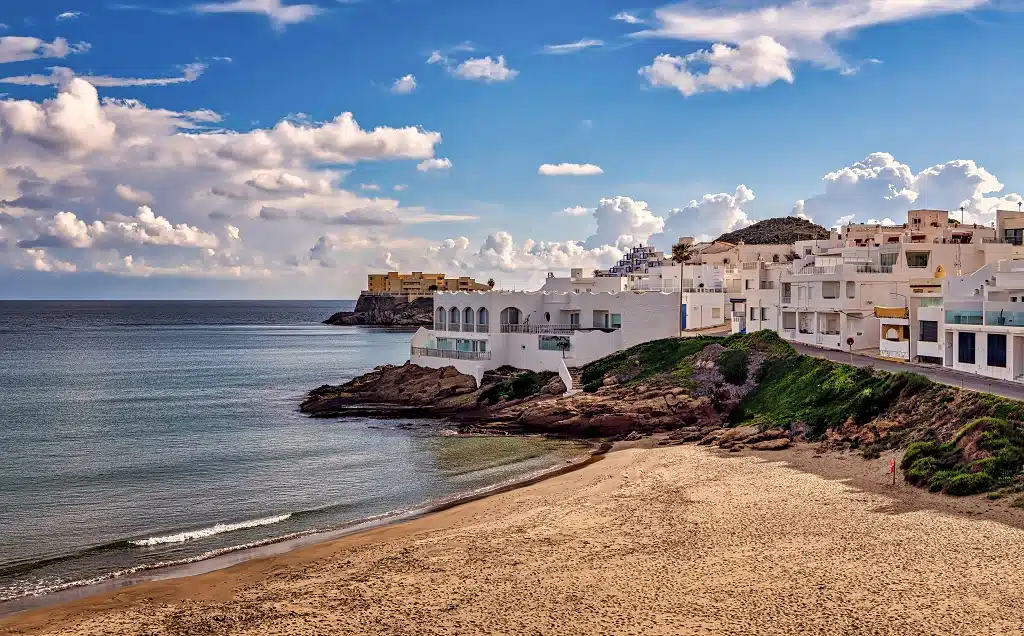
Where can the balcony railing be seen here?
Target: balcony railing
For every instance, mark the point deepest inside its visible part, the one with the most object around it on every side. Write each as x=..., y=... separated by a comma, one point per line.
x=454, y=326
x=483, y=328
x=766, y=284
x=964, y=317
x=450, y=354
x=555, y=329
x=874, y=269
x=811, y=271
x=1005, y=318
x=787, y=299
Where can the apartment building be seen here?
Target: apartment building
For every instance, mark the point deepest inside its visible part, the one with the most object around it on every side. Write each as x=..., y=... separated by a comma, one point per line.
x=418, y=284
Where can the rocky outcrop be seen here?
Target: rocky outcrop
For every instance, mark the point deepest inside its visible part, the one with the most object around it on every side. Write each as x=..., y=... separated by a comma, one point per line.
x=389, y=311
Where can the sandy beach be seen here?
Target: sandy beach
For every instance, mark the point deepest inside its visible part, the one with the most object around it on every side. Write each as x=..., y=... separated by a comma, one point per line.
x=678, y=540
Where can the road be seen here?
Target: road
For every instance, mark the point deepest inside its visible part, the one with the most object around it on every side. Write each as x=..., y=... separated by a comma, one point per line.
x=936, y=374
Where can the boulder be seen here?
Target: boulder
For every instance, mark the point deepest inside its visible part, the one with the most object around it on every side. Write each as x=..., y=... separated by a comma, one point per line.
x=772, y=444
x=738, y=434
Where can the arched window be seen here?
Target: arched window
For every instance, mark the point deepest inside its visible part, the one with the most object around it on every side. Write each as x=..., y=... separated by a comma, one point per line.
x=483, y=317
x=510, y=316
x=439, y=317
x=453, y=317
x=467, y=317
x=775, y=258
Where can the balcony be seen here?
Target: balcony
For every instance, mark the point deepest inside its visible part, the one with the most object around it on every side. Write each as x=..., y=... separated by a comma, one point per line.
x=1005, y=318
x=450, y=354
x=874, y=269
x=483, y=328
x=766, y=284
x=964, y=317
x=554, y=329
x=812, y=271
x=787, y=299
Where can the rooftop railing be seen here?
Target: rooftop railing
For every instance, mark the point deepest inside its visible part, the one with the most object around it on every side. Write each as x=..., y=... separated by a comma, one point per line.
x=552, y=329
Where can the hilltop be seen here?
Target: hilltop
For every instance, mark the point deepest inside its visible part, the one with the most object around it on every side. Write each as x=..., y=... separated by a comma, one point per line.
x=777, y=232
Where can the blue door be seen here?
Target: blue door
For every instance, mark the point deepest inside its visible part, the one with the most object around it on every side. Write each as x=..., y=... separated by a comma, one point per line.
x=682, y=318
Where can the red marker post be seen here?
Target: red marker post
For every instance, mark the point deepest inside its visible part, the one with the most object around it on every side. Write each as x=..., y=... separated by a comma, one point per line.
x=892, y=469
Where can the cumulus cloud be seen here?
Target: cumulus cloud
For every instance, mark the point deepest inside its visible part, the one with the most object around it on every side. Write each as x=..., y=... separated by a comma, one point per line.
x=433, y=165
x=805, y=31
x=69, y=15
x=60, y=75
x=130, y=194
x=628, y=18
x=623, y=222
x=280, y=15
x=569, y=170
x=401, y=187
x=404, y=85
x=373, y=187
x=20, y=49
x=484, y=69
x=753, y=63
x=577, y=210
x=65, y=229
x=706, y=218
x=572, y=47
x=880, y=186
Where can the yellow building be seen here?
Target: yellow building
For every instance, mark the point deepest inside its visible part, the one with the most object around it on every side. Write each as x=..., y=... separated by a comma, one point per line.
x=418, y=284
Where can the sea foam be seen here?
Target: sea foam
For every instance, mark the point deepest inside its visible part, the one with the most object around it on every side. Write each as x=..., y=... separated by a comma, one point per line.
x=219, y=528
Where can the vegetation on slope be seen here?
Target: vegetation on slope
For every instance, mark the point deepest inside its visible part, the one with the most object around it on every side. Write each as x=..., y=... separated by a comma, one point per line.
x=958, y=442
x=521, y=385
x=777, y=232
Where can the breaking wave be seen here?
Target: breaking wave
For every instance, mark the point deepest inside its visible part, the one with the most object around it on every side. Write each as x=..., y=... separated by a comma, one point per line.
x=219, y=528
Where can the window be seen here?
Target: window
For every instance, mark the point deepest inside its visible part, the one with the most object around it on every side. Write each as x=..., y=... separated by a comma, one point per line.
x=483, y=346
x=966, y=354
x=547, y=316
x=930, y=302
x=789, y=320
x=775, y=258
x=917, y=260
x=753, y=313
x=807, y=251
x=1014, y=237
x=716, y=312
x=764, y=313
x=746, y=283
x=616, y=321
x=830, y=289
x=997, y=350
x=851, y=289
x=574, y=319
x=929, y=331
x=888, y=259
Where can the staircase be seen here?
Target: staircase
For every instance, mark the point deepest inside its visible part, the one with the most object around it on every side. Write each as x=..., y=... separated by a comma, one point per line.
x=577, y=379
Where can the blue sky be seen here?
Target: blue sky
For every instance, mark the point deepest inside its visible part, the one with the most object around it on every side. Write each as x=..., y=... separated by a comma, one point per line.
x=701, y=117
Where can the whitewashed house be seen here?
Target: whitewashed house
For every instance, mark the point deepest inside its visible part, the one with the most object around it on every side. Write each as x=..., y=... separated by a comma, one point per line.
x=565, y=324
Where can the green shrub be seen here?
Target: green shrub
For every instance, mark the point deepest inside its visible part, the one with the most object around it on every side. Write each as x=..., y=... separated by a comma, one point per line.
x=921, y=471
x=969, y=484
x=520, y=386
x=592, y=387
x=733, y=365
x=917, y=451
x=1018, y=502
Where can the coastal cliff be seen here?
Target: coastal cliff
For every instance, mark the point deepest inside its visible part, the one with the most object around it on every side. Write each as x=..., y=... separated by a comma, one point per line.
x=392, y=311
x=736, y=392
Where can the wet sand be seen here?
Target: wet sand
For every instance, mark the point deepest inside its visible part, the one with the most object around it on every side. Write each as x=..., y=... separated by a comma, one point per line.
x=676, y=540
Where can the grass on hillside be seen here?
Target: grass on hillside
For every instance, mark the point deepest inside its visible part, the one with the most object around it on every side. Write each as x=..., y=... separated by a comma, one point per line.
x=519, y=386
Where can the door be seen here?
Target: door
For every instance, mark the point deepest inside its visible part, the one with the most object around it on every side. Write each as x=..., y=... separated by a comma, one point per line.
x=948, y=351
x=682, y=318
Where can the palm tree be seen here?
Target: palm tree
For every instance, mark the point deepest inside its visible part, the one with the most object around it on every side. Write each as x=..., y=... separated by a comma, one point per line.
x=681, y=253
x=490, y=283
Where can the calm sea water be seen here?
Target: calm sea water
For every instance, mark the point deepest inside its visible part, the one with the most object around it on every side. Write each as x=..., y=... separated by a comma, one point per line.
x=134, y=435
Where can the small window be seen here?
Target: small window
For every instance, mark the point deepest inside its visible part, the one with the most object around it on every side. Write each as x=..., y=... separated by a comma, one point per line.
x=753, y=313
x=775, y=258
x=929, y=331
x=966, y=353
x=917, y=260
x=789, y=320
x=764, y=313
x=889, y=259
x=616, y=321
x=830, y=289
x=716, y=312
x=547, y=316
x=747, y=283
x=996, y=350
x=851, y=289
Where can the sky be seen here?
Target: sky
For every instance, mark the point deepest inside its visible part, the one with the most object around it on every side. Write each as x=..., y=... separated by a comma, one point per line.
x=275, y=149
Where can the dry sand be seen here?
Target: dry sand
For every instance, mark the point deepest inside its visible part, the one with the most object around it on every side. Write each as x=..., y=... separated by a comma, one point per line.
x=678, y=540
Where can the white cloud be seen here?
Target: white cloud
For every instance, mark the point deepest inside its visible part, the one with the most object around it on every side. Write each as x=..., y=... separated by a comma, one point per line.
x=60, y=75
x=623, y=222
x=130, y=194
x=65, y=229
x=484, y=69
x=706, y=218
x=401, y=187
x=757, y=62
x=280, y=15
x=369, y=186
x=69, y=15
x=437, y=58
x=628, y=18
x=569, y=170
x=880, y=186
x=806, y=30
x=432, y=165
x=404, y=85
x=40, y=261
x=577, y=210
x=572, y=47
x=20, y=49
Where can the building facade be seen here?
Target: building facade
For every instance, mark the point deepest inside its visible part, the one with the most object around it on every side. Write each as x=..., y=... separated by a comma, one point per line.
x=418, y=284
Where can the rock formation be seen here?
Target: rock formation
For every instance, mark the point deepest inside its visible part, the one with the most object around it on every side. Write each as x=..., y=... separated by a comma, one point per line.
x=390, y=311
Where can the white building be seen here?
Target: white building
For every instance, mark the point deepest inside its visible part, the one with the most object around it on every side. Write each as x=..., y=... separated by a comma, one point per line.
x=567, y=323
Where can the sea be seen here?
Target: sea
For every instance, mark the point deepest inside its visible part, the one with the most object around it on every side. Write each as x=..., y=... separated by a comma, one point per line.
x=137, y=438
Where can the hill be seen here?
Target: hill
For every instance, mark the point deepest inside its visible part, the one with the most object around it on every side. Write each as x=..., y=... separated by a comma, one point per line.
x=776, y=232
